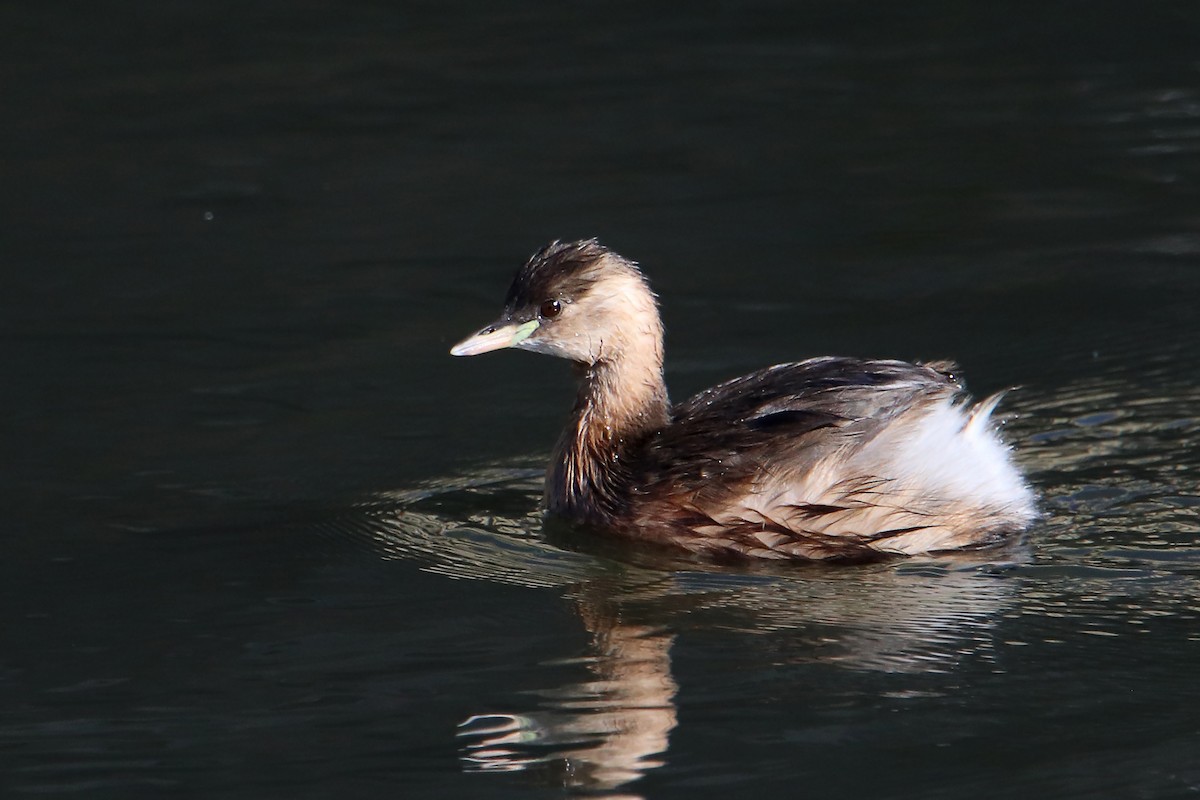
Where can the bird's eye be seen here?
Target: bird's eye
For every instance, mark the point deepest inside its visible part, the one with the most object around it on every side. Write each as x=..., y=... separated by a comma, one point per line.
x=549, y=309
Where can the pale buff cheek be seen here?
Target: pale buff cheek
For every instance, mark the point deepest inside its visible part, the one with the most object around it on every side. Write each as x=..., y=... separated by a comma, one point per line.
x=605, y=326
x=574, y=334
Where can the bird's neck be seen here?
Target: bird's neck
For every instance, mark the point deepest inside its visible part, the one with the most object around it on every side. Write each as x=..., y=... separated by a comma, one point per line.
x=620, y=403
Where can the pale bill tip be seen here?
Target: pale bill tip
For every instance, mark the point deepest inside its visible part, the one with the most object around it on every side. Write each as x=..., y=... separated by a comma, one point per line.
x=494, y=338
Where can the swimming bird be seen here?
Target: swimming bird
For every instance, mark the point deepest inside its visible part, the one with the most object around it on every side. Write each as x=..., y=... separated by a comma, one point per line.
x=829, y=458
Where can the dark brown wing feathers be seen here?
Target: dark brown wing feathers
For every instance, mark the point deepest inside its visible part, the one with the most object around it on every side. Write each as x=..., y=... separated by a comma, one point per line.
x=721, y=444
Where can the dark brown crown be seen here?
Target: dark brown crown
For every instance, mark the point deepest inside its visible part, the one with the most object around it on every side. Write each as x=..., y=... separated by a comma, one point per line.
x=562, y=270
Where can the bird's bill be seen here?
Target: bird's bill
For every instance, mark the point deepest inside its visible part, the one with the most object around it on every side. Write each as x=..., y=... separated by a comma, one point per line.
x=496, y=336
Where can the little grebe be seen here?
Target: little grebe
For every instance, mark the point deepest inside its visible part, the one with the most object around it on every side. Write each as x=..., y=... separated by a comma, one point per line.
x=826, y=458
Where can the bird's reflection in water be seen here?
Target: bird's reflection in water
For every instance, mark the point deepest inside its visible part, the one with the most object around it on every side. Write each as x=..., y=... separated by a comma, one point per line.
x=604, y=732
x=599, y=734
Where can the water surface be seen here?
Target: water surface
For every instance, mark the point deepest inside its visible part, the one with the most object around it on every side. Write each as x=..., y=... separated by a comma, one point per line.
x=266, y=537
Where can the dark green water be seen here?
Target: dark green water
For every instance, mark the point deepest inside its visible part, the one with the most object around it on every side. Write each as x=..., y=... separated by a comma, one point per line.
x=264, y=537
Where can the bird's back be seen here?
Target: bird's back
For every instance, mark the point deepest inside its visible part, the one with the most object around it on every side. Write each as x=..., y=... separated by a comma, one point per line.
x=828, y=458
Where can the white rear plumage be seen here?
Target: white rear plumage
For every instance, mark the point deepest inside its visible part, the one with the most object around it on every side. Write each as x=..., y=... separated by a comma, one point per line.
x=937, y=477
x=949, y=461
x=953, y=452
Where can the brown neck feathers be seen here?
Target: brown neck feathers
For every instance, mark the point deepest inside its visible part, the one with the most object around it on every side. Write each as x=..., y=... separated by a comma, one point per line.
x=620, y=403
